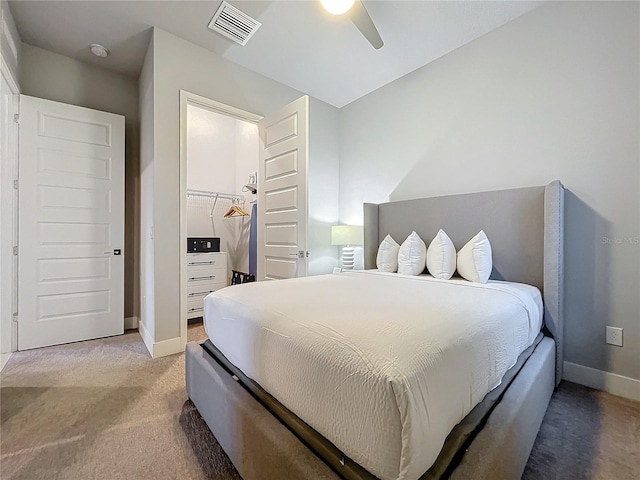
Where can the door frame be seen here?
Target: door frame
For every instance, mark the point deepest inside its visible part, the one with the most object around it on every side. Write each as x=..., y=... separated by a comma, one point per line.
x=9, y=277
x=187, y=98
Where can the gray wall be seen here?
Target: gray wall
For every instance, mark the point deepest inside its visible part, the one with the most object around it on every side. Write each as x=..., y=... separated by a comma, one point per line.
x=181, y=65
x=324, y=169
x=55, y=77
x=551, y=95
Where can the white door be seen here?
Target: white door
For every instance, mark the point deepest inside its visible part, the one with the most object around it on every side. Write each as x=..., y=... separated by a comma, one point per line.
x=71, y=224
x=282, y=190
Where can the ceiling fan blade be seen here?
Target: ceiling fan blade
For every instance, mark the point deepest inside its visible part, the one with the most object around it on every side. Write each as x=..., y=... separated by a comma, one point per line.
x=361, y=19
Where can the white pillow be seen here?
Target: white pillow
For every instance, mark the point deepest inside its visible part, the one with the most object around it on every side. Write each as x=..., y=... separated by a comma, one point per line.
x=412, y=255
x=387, y=259
x=474, y=259
x=441, y=256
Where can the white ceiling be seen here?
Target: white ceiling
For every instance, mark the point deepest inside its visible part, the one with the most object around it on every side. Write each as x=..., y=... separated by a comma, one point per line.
x=299, y=44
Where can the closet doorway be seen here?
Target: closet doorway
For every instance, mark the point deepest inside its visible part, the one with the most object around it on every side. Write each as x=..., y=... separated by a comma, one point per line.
x=219, y=164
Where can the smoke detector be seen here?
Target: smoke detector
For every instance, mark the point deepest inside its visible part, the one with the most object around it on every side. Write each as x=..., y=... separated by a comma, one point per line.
x=98, y=50
x=234, y=24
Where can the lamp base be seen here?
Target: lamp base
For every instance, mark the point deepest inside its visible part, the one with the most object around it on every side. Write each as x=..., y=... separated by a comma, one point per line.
x=348, y=258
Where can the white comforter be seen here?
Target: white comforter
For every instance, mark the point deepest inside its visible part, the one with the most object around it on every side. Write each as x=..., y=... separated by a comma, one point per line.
x=382, y=365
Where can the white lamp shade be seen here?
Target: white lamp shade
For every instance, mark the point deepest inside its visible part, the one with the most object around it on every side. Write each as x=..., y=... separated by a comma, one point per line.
x=347, y=235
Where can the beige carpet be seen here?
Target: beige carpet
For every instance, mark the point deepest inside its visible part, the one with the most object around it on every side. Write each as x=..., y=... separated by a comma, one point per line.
x=587, y=434
x=104, y=410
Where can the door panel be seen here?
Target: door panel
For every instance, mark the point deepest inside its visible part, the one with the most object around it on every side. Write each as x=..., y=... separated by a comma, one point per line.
x=285, y=234
x=79, y=131
x=280, y=268
x=71, y=223
x=75, y=269
x=284, y=128
x=53, y=161
x=282, y=200
x=282, y=186
x=282, y=165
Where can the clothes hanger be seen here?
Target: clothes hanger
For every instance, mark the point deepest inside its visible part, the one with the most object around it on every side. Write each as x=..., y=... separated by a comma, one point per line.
x=241, y=211
x=235, y=211
x=231, y=212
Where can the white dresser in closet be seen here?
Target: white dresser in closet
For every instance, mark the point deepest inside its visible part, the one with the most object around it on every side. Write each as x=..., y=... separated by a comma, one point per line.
x=206, y=273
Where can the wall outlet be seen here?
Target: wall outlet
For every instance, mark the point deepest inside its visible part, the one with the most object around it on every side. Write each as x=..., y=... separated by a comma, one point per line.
x=614, y=336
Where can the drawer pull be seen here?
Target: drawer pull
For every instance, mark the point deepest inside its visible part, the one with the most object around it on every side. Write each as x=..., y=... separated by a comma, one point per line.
x=211, y=262
x=195, y=309
x=198, y=294
x=206, y=277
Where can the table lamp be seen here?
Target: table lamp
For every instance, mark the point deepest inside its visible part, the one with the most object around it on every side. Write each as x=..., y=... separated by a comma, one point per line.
x=347, y=236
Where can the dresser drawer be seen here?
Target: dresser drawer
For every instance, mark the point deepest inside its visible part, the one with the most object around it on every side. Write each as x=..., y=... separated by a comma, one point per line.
x=206, y=273
x=213, y=260
x=203, y=287
x=195, y=307
x=198, y=273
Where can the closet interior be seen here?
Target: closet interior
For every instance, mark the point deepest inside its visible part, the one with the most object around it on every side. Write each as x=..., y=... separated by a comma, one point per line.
x=222, y=161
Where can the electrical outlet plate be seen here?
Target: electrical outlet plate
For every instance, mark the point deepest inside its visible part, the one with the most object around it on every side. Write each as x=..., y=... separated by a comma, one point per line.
x=614, y=336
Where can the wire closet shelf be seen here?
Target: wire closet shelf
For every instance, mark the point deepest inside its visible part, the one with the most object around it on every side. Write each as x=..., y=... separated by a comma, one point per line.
x=234, y=197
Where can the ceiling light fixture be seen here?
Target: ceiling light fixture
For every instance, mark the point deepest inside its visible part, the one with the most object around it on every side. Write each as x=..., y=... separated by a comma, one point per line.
x=337, y=7
x=98, y=50
x=358, y=15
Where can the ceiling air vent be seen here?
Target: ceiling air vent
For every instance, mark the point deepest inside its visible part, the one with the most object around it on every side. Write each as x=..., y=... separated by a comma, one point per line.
x=234, y=24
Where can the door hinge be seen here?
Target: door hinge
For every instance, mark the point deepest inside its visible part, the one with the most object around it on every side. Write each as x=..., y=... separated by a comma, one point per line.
x=15, y=250
x=16, y=118
x=15, y=184
x=14, y=317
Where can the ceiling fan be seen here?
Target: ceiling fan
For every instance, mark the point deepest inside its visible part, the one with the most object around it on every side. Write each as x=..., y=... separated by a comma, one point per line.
x=358, y=14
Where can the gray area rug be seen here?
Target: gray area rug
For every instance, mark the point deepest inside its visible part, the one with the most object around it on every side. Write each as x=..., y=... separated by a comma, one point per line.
x=104, y=410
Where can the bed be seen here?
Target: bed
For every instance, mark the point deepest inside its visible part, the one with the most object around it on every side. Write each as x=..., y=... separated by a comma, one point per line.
x=262, y=341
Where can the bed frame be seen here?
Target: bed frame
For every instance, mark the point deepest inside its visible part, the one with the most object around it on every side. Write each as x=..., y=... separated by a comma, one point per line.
x=525, y=227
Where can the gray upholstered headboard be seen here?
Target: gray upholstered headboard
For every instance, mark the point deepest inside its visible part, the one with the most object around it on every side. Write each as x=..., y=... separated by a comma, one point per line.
x=524, y=226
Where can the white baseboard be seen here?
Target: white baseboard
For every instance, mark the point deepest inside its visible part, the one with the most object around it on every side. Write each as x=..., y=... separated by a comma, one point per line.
x=168, y=347
x=163, y=348
x=131, y=323
x=609, y=382
x=4, y=358
x=146, y=337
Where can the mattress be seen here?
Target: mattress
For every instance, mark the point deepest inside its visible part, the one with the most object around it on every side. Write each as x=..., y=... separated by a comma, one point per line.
x=382, y=365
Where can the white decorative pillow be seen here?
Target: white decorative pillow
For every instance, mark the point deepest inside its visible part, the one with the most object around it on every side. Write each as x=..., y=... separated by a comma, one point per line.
x=474, y=259
x=387, y=259
x=412, y=255
x=441, y=256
